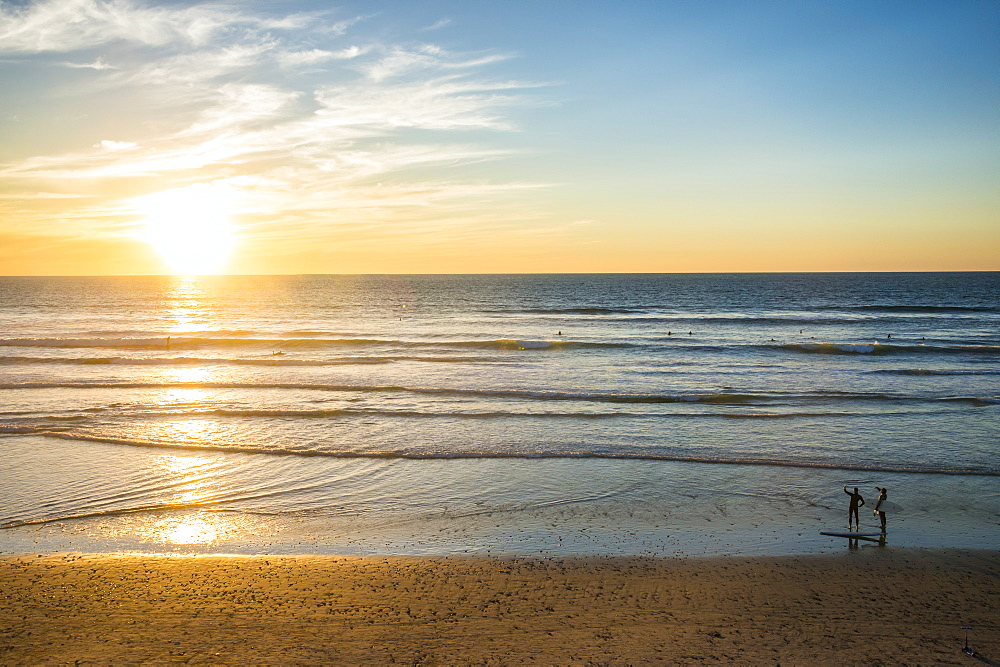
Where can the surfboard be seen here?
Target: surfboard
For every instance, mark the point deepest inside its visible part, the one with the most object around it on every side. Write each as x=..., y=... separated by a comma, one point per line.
x=836, y=533
x=887, y=506
x=534, y=344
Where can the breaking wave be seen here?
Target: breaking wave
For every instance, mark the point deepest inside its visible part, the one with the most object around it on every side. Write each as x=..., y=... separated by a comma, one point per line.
x=905, y=308
x=270, y=360
x=878, y=348
x=24, y=426
x=530, y=455
x=187, y=342
x=721, y=398
x=934, y=372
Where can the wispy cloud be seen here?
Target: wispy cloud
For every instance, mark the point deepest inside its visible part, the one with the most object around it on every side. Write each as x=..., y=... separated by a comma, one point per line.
x=438, y=25
x=316, y=56
x=117, y=145
x=399, y=61
x=98, y=64
x=442, y=103
x=69, y=25
x=301, y=113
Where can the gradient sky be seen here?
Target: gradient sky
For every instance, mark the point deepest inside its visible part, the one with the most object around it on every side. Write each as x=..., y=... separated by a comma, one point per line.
x=484, y=136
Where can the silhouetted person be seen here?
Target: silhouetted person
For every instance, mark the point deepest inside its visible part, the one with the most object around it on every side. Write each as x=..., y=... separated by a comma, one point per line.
x=878, y=511
x=856, y=502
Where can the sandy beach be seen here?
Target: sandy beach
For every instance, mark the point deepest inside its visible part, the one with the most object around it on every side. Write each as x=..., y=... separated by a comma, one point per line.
x=869, y=605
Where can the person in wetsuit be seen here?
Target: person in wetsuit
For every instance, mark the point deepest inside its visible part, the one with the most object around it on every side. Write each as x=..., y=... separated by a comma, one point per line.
x=879, y=511
x=856, y=502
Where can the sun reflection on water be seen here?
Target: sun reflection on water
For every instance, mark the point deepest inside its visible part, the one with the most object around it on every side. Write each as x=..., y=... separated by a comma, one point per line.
x=174, y=395
x=188, y=431
x=186, y=309
x=191, y=478
x=188, y=530
x=191, y=481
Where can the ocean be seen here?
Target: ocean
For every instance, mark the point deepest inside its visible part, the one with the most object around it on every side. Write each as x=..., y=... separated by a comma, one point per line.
x=524, y=415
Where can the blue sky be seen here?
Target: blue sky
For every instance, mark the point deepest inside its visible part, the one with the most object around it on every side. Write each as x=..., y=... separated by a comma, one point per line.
x=513, y=136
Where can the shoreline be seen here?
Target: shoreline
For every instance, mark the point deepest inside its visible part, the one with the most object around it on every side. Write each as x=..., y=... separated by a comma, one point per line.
x=539, y=508
x=856, y=606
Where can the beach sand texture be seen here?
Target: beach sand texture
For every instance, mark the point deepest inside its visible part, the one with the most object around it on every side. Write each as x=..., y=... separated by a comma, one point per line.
x=866, y=606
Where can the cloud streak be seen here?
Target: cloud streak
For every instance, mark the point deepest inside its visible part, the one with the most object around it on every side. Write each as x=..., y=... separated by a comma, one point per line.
x=301, y=114
x=70, y=25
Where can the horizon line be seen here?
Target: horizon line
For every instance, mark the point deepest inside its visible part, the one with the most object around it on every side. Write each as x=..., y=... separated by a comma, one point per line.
x=510, y=273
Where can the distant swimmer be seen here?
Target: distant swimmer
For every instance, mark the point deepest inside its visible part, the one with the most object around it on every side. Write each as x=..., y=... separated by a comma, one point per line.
x=168, y=341
x=888, y=335
x=559, y=333
x=879, y=511
x=670, y=333
x=856, y=502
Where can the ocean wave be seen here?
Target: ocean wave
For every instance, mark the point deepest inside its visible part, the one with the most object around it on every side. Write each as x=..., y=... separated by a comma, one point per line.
x=909, y=308
x=188, y=342
x=20, y=429
x=277, y=347
x=534, y=455
x=720, y=398
x=748, y=320
x=825, y=314
x=206, y=333
x=271, y=360
x=934, y=372
x=580, y=310
x=179, y=343
x=162, y=507
x=25, y=425
x=274, y=360
x=660, y=309
x=677, y=319
x=837, y=348
x=878, y=348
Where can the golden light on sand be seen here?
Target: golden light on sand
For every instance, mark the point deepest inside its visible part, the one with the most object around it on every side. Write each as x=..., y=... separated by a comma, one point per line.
x=190, y=227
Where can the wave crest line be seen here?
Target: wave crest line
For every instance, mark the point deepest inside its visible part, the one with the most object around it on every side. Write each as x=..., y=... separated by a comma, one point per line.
x=540, y=455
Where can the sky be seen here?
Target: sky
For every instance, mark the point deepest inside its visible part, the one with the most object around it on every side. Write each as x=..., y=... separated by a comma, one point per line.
x=472, y=136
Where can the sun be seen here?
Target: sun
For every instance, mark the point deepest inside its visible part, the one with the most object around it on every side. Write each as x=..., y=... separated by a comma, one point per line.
x=190, y=228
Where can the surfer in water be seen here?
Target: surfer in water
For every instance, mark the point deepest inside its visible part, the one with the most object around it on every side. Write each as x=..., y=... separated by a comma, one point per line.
x=878, y=511
x=856, y=502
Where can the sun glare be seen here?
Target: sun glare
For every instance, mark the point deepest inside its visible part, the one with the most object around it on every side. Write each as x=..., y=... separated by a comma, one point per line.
x=189, y=227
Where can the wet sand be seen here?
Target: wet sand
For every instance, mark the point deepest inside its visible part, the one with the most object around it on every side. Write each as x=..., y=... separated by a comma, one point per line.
x=866, y=606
